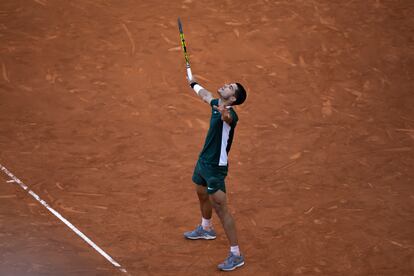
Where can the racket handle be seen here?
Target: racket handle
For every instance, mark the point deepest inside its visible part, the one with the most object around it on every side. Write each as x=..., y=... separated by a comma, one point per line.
x=189, y=74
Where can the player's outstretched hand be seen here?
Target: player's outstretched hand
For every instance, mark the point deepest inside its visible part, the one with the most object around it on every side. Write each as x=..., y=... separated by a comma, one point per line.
x=190, y=81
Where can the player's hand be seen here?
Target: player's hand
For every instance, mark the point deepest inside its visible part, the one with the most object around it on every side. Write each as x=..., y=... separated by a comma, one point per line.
x=190, y=81
x=221, y=108
x=225, y=113
x=224, y=110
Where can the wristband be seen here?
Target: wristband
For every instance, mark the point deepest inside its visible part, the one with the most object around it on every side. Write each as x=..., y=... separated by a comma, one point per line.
x=196, y=87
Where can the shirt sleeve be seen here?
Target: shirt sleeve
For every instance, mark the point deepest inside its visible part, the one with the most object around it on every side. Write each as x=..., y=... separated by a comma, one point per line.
x=214, y=102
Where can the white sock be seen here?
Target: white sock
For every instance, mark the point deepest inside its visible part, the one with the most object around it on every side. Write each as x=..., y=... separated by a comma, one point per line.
x=235, y=250
x=206, y=223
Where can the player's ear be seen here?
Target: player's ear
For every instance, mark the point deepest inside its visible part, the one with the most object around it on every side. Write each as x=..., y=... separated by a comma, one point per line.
x=233, y=99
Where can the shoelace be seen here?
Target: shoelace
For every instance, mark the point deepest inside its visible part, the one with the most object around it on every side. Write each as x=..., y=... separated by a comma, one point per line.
x=229, y=258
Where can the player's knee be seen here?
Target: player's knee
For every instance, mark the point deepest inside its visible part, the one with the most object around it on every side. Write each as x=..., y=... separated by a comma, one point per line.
x=219, y=207
x=202, y=197
x=202, y=192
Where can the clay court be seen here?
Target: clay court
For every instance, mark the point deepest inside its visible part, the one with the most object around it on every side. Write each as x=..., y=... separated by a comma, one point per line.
x=96, y=118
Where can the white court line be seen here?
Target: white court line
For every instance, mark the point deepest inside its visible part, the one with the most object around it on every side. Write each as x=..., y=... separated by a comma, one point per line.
x=65, y=221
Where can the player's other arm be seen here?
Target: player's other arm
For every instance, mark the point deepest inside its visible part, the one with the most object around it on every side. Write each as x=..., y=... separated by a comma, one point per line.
x=203, y=93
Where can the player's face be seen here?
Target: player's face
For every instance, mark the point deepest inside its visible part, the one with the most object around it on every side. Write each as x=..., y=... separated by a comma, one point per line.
x=227, y=91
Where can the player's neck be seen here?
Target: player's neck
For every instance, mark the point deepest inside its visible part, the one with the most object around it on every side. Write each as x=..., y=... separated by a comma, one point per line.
x=222, y=102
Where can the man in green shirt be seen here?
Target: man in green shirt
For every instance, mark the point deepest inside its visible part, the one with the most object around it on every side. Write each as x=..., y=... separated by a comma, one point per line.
x=212, y=165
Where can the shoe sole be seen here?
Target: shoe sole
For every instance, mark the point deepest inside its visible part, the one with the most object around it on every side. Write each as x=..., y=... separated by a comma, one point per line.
x=201, y=238
x=233, y=268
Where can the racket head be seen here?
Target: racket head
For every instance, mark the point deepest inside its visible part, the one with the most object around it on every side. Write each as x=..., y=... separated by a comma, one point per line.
x=180, y=26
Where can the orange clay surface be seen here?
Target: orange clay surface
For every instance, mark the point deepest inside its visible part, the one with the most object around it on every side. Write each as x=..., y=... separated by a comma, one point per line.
x=96, y=117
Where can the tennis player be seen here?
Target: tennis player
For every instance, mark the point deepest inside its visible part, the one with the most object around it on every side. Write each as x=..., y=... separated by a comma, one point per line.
x=212, y=166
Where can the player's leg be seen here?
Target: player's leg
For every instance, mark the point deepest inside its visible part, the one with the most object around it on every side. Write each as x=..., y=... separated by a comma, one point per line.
x=205, y=207
x=204, y=230
x=219, y=203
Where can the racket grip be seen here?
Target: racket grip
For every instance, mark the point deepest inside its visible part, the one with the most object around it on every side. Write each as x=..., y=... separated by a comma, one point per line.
x=189, y=73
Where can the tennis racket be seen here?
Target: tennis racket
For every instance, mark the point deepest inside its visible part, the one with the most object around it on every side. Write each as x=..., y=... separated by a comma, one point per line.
x=187, y=61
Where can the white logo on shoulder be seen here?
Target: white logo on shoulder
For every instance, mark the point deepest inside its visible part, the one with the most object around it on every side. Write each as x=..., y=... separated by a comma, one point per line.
x=210, y=188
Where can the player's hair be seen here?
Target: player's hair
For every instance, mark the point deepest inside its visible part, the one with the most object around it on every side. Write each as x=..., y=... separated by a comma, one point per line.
x=240, y=94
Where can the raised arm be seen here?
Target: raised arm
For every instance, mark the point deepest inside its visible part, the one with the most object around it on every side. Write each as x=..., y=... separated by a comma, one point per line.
x=203, y=93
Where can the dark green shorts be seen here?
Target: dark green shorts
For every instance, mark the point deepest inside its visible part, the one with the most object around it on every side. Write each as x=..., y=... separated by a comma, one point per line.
x=209, y=175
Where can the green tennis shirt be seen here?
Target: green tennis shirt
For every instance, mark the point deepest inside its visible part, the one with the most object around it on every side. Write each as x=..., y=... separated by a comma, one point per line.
x=219, y=137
